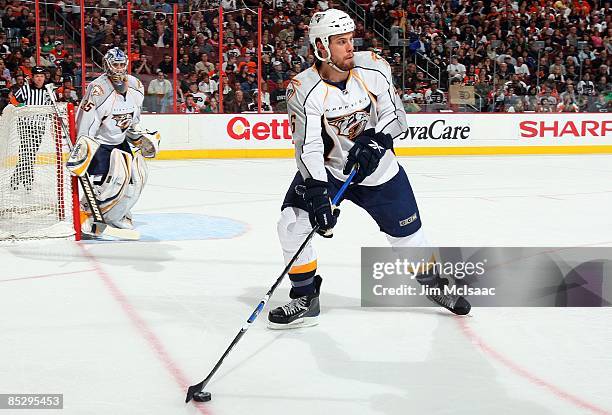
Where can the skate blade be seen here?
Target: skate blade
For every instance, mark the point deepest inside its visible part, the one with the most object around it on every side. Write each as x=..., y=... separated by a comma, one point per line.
x=299, y=323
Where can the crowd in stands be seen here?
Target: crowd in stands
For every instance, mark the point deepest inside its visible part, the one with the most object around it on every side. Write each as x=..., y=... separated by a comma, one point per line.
x=533, y=55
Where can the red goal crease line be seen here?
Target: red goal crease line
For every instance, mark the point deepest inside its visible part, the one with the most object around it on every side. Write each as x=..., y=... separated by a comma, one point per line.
x=414, y=151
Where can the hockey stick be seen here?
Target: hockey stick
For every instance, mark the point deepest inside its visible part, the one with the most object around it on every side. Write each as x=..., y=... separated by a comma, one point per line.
x=100, y=226
x=197, y=388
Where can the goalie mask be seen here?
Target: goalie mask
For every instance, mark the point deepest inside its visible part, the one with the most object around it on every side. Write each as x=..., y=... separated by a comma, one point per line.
x=115, y=64
x=324, y=25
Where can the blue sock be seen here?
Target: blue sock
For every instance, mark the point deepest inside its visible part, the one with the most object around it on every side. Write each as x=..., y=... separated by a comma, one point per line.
x=302, y=284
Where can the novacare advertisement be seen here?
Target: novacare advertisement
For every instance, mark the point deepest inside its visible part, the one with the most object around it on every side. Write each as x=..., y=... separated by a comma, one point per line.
x=269, y=135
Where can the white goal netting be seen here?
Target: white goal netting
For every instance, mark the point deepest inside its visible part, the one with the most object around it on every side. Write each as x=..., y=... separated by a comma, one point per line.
x=35, y=187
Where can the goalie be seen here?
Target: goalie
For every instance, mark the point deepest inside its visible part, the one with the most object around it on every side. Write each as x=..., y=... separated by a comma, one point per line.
x=108, y=129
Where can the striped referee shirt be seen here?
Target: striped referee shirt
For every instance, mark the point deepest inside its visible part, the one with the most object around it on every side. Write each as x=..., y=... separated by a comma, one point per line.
x=30, y=95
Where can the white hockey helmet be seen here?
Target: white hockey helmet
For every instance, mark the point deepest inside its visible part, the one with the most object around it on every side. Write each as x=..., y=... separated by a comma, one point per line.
x=325, y=24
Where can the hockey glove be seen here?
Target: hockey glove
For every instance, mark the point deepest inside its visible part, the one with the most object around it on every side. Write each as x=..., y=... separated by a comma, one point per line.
x=366, y=153
x=320, y=210
x=81, y=155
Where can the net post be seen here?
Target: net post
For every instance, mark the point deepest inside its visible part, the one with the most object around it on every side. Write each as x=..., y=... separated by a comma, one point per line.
x=76, y=214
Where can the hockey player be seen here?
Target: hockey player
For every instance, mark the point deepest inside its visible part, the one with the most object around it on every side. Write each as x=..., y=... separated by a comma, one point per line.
x=108, y=127
x=344, y=113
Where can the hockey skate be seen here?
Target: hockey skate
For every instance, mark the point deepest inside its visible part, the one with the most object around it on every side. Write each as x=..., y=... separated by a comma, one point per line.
x=299, y=312
x=455, y=303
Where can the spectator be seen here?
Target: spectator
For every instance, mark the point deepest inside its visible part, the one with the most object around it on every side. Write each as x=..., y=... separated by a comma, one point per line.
x=434, y=95
x=66, y=92
x=68, y=66
x=160, y=89
x=58, y=54
x=204, y=65
x=162, y=37
x=142, y=66
x=212, y=106
x=185, y=66
x=545, y=105
x=4, y=72
x=456, y=69
x=166, y=65
x=5, y=50
x=189, y=106
x=567, y=104
x=207, y=85
x=46, y=45
x=409, y=104
x=238, y=104
x=199, y=98
x=586, y=86
x=250, y=84
x=278, y=75
x=600, y=105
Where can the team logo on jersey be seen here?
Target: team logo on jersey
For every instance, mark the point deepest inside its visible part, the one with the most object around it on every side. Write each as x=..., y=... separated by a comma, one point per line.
x=97, y=91
x=293, y=84
x=123, y=120
x=351, y=125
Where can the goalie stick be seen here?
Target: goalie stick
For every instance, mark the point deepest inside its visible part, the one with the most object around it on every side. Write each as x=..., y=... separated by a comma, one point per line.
x=195, y=391
x=100, y=227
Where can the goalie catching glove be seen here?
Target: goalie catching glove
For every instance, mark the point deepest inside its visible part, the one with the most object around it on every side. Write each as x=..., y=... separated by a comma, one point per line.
x=145, y=140
x=366, y=153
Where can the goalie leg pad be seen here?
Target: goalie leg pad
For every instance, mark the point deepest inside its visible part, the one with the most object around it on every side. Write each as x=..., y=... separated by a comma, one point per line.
x=140, y=173
x=111, y=192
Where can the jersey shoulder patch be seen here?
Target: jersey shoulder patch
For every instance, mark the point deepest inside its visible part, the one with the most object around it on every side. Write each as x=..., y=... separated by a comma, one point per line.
x=370, y=60
x=135, y=83
x=99, y=89
x=301, y=86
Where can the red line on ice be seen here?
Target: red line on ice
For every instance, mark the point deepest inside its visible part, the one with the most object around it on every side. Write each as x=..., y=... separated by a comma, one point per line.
x=524, y=373
x=145, y=331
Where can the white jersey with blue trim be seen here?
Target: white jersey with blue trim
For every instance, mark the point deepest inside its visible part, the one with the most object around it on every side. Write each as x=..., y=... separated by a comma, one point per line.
x=326, y=120
x=106, y=114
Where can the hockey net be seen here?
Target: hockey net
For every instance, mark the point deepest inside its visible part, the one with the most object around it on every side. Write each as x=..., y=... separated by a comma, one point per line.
x=38, y=197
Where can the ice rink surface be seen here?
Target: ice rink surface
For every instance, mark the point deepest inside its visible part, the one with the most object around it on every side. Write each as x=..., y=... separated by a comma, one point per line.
x=123, y=328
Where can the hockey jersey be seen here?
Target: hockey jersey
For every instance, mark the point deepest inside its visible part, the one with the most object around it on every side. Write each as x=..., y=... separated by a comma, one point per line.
x=106, y=114
x=326, y=120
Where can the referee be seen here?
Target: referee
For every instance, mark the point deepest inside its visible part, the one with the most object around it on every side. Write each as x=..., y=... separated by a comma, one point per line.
x=31, y=130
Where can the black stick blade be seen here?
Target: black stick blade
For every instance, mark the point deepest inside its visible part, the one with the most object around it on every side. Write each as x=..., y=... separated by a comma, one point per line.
x=192, y=390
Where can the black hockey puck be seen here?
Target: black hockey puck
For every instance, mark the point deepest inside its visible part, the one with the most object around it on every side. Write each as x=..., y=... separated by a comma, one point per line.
x=202, y=396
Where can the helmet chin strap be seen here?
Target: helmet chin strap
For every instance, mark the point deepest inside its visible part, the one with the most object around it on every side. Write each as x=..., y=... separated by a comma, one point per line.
x=328, y=59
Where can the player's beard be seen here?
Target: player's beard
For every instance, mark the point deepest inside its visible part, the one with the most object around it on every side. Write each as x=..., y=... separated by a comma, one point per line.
x=345, y=65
